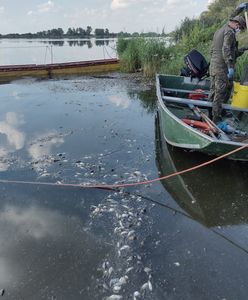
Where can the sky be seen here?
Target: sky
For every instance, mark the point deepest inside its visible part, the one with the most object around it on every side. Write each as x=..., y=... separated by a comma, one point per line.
x=21, y=16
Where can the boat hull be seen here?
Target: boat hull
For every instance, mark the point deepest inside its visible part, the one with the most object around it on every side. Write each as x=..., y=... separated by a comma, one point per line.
x=179, y=134
x=50, y=70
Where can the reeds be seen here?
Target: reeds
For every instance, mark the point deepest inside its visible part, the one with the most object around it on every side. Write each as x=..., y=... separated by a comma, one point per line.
x=140, y=54
x=130, y=52
x=241, y=66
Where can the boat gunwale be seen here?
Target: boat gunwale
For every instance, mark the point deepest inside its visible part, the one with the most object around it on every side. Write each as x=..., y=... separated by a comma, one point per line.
x=54, y=66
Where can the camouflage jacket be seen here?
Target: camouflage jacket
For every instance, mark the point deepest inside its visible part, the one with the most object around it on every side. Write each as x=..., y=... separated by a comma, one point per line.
x=224, y=50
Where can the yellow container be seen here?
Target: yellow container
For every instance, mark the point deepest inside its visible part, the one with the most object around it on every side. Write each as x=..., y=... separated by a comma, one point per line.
x=240, y=95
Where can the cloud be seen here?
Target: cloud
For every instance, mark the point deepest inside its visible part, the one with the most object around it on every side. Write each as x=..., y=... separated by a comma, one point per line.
x=45, y=7
x=120, y=101
x=42, y=8
x=48, y=141
x=26, y=226
x=33, y=221
x=1, y=9
x=8, y=127
x=116, y=4
x=175, y=3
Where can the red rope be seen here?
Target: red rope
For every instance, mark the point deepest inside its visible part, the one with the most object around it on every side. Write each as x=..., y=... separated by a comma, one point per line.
x=113, y=186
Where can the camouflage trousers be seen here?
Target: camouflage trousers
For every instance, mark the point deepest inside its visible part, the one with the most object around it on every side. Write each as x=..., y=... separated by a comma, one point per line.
x=220, y=91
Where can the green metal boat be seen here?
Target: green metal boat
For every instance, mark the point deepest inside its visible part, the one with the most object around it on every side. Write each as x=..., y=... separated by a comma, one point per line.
x=175, y=107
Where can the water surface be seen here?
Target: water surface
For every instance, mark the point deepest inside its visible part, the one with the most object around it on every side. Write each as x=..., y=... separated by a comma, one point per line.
x=41, y=51
x=181, y=239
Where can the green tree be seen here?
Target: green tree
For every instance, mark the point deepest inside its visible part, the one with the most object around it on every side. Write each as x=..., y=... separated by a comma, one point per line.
x=88, y=30
x=99, y=32
x=106, y=32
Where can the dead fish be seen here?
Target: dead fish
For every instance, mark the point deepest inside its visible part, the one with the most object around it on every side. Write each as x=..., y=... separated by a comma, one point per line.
x=124, y=216
x=136, y=295
x=112, y=201
x=113, y=281
x=105, y=265
x=147, y=286
x=144, y=287
x=125, y=247
x=129, y=270
x=147, y=270
x=124, y=232
x=110, y=270
x=132, y=238
x=116, y=288
x=125, y=206
x=117, y=229
x=131, y=232
x=114, y=297
x=137, y=173
x=123, y=280
x=96, y=211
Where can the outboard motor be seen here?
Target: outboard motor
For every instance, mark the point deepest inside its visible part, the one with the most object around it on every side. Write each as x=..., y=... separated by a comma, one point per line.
x=196, y=65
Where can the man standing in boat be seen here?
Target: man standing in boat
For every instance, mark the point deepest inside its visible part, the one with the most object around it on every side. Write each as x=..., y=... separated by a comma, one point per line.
x=224, y=52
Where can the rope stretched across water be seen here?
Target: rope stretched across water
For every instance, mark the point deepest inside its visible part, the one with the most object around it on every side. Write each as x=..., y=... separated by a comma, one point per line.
x=123, y=185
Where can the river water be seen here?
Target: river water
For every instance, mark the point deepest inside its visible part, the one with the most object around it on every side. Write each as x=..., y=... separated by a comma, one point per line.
x=40, y=51
x=185, y=238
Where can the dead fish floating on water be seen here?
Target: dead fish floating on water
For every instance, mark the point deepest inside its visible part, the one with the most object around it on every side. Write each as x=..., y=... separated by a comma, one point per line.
x=129, y=270
x=124, y=248
x=147, y=270
x=114, y=297
x=117, y=288
x=136, y=295
x=113, y=281
x=146, y=286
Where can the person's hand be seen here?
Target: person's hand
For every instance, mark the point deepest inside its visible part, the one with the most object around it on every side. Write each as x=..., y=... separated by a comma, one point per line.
x=243, y=5
x=230, y=73
x=243, y=49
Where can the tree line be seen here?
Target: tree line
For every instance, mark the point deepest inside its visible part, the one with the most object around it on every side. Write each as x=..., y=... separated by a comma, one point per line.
x=79, y=32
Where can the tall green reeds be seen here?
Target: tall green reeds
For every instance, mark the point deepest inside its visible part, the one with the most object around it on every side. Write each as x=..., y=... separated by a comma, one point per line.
x=241, y=65
x=130, y=52
x=153, y=55
x=142, y=54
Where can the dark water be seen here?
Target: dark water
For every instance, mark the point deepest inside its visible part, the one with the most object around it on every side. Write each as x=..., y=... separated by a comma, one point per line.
x=183, y=239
